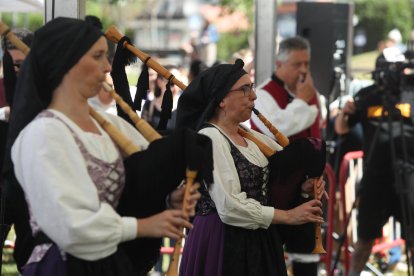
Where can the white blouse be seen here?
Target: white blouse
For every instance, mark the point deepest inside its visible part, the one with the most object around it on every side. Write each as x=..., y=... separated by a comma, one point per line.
x=296, y=117
x=233, y=206
x=62, y=197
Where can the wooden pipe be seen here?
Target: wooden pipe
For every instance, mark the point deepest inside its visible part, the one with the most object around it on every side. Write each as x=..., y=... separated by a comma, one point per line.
x=126, y=145
x=318, y=192
x=173, y=268
x=114, y=35
x=281, y=139
x=5, y=31
x=143, y=126
x=265, y=149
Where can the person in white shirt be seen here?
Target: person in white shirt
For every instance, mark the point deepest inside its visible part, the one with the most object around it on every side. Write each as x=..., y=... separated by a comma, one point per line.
x=70, y=170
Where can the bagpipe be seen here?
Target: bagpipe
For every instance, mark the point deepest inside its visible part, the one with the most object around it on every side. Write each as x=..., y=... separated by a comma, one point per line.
x=301, y=159
x=151, y=174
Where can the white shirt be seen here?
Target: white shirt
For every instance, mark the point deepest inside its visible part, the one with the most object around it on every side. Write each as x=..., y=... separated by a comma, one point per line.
x=296, y=117
x=62, y=197
x=3, y=113
x=233, y=206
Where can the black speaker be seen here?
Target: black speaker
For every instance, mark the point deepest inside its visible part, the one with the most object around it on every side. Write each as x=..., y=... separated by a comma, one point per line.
x=328, y=27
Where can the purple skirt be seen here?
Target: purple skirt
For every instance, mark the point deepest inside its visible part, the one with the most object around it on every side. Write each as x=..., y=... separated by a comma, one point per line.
x=51, y=264
x=203, y=249
x=215, y=248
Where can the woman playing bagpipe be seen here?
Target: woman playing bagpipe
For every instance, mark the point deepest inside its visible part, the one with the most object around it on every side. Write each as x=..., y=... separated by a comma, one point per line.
x=72, y=173
x=235, y=230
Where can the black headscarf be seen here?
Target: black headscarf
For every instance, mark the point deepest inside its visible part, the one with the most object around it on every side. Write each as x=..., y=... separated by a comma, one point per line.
x=56, y=48
x=200, y=99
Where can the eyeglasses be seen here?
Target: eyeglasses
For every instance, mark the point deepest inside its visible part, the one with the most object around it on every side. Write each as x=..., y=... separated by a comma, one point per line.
x=247, y=89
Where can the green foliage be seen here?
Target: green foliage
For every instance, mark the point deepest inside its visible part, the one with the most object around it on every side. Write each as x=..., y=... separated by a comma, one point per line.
x=245, y=6
x=379, y=17
x=240, y=5
x=31, y=21
x=230, y=43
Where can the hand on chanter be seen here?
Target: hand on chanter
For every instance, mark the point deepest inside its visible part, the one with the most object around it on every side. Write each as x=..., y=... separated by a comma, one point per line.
x=308, y=187
x=310, y=211
x=165, y=224
x=177, y=196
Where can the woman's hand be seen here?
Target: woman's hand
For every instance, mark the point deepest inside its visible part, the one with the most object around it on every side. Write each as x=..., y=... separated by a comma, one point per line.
x=169, y=223
x=310, y=211
x=177, y=196
x=308, y=187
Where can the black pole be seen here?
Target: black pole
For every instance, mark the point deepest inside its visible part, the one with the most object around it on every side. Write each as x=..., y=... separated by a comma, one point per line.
x=400, y=175
x=348, y=218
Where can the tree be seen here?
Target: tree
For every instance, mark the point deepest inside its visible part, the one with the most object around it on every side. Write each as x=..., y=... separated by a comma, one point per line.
x=377, y=18
x=232, y=42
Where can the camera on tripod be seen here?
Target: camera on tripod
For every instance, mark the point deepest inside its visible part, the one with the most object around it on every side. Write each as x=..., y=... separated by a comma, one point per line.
x=394, y=69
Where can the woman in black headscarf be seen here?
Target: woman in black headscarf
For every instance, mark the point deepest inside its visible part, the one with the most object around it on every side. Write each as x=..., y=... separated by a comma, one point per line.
x=69, y=168
x=234, y=229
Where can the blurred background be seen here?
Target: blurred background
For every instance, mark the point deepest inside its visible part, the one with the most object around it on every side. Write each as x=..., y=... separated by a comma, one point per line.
x=346, y=38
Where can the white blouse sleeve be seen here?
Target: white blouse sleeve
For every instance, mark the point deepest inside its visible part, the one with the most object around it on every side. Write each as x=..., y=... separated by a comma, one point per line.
x=62, y=197
x=297, y=115
x=233, y=206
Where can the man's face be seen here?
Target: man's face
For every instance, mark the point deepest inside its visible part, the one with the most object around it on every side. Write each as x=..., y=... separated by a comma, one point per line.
x=18, y=58
x=294, y=68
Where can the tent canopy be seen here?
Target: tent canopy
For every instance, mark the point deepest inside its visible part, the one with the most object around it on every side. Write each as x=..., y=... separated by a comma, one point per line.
x=21, y=6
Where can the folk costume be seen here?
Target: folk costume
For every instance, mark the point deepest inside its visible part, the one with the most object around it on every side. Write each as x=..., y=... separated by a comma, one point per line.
x=296, y=119
x=232, y=232
x=83, y=197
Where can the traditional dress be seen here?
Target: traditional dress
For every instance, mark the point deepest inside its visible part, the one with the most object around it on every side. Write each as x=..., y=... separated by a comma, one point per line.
x=296, y=119
x=232, y=232
x=84, y=173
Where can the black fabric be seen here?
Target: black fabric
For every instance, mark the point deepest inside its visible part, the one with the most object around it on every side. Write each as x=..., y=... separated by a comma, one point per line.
x=57, y=47
x=202, y=96
x=246, y=251
x=10, y=77
x=122, y=58
x=380, y=161
x=379, y=193
x=4, y=126
x=151, y=175
x=305, y=269
x=16, y=213
x=113, y=265
x=153, y=118
x=142, y=87
x=166, y=107
x=298, y=238
x=302, y=158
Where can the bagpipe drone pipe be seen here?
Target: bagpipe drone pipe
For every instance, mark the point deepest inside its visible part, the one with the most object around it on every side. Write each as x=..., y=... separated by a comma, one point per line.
x=301, y=159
